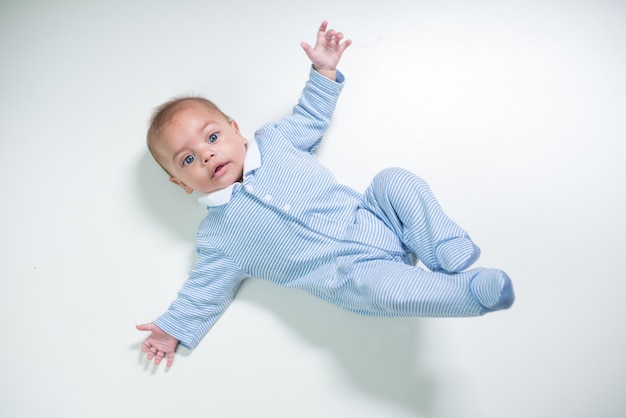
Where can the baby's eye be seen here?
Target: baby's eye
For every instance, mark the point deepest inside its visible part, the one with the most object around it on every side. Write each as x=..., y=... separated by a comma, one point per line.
x=189, y=159
x=213, y=137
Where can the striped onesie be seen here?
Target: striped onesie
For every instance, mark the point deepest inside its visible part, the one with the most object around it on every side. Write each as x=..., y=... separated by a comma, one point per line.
x=291, y=223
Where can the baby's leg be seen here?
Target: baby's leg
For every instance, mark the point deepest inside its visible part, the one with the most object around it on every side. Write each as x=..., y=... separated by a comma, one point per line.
x=407, y=205
x=389, y=288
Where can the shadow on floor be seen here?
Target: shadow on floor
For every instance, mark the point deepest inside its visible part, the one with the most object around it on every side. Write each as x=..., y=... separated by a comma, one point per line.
x=381, y=356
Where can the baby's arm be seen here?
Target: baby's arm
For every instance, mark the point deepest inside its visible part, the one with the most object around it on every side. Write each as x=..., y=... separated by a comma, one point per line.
x=207, y=292
x=327, y=51
x=311, y=117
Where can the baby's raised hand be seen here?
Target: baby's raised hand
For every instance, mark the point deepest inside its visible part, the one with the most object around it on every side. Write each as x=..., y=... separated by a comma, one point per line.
x=328, y=49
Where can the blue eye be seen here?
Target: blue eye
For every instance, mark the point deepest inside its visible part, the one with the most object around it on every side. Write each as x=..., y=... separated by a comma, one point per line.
x=212, y=137
x=189, y=159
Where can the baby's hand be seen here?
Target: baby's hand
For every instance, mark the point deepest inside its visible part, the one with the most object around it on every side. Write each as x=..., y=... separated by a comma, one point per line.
x=159, y=344
x=327, y=51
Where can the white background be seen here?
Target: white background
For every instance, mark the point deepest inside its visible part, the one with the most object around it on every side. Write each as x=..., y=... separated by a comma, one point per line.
x=514, y=111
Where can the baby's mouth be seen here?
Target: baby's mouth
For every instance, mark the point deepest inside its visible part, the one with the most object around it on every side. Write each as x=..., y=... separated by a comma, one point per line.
x=219, y=169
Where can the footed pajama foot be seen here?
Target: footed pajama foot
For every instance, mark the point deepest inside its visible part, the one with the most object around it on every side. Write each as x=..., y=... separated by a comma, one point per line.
x=492, y=289
x=456, y=254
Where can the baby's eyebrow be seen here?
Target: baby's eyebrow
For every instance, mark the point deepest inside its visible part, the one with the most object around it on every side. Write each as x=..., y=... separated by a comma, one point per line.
x=204, y=126
x=177, y=155
x=208, y=124
x=181, y=149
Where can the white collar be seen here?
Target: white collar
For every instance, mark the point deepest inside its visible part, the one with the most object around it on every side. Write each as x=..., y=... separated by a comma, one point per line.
x=251, y=162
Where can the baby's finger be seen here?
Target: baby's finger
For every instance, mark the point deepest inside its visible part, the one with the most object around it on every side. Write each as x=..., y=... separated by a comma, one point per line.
x=307, y=48
x=323, y=26
x=158, y=357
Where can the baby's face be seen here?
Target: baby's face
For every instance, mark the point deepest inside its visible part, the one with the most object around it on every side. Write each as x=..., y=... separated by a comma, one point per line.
x=202, y=150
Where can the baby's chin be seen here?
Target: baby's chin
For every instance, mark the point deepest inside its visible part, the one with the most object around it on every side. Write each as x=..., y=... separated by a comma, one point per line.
x=217, y=189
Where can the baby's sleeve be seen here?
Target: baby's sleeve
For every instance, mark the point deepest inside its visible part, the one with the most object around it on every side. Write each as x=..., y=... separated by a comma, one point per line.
x=209, y=290
x=313, y=113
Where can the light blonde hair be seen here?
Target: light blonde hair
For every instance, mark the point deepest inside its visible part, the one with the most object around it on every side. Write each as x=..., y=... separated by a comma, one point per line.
x=164, y=114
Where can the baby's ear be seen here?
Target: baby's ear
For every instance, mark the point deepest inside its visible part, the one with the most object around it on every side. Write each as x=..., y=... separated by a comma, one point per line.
x=179, y=183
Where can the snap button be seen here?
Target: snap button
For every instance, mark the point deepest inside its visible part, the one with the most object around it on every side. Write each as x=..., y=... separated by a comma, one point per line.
x=286, y=207
x=267, y=198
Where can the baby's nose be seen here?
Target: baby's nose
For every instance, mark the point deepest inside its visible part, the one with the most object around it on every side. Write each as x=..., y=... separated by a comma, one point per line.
x=208, y=154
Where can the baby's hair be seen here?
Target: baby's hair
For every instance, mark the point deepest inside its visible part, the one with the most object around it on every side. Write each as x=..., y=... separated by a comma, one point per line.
x=164, y=114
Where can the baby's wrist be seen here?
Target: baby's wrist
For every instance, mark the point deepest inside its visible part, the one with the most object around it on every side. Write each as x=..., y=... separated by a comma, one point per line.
x=326, y=72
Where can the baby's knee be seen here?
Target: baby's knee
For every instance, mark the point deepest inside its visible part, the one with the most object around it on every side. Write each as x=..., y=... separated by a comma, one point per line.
x=391, y=174
x=396, y=178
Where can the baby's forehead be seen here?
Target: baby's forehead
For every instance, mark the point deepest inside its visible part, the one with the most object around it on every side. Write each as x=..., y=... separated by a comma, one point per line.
x=190, y=118
x=193, y=108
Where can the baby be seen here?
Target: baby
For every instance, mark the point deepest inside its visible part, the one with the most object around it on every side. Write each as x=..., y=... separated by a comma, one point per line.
x=275, y=213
